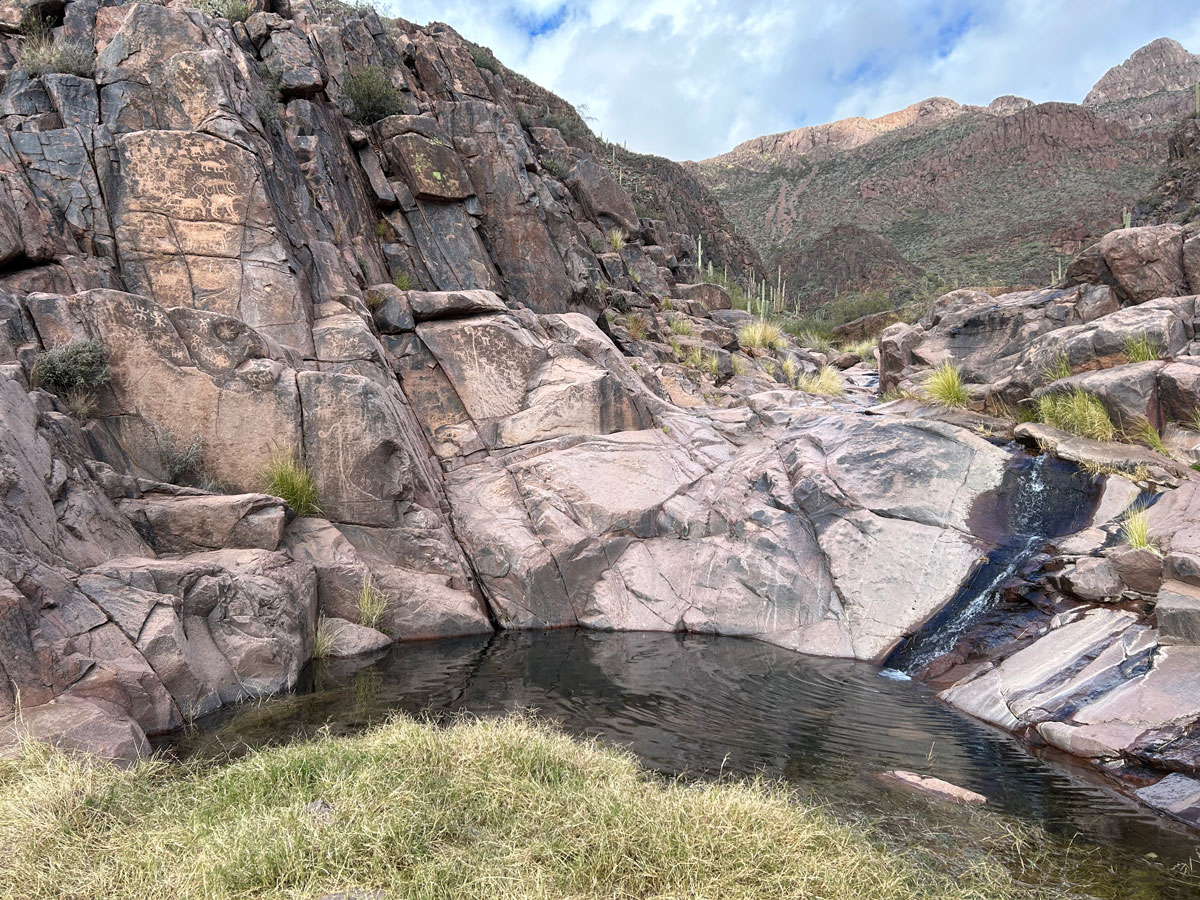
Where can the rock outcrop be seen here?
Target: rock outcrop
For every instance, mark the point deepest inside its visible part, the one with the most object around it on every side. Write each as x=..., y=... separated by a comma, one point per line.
x=517, y=401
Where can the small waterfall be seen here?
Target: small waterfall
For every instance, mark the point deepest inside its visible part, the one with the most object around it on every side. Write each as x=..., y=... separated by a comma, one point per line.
x=1040, y=498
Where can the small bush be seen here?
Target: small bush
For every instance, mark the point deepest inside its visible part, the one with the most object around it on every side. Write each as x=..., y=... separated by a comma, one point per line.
x=763, y=335
x=1141, y=349
x=738, y=363
x=945, y=387
x=570, y=125
x=712, y=364
x=1078, y=412
x=617, y=239
x=485, y=59
x=403, y=280
x=1135, y=530
x=556, y=167
x=79, y=367
x=182, y=463
x=372, y=95
x=680, y=325
x=287, y=478
x=636, y=326
x=372, y=603
x=46, y=57
x=233, y=10
x=826, y=380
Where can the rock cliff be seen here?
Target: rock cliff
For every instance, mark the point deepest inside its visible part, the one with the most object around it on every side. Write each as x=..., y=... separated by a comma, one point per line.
x=313, y=241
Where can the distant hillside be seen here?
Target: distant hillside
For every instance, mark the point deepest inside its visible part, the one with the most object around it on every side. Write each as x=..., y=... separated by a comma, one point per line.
x=994, y=195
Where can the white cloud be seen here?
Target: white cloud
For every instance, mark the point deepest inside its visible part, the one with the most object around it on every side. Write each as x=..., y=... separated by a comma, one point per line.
x=690, y=79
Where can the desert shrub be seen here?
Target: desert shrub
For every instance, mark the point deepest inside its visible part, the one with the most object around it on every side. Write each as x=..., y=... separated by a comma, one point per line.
x=403, y=280
x=945, y=387
x=288, y=478
x=372, y=603
x=570, y=125
x=40, y=55
x=233, y=10
x=183, y=463
x=617, y=239
x=636, y=325
x=1142, y=349
x=764, y=335
x=79, y=367
x=556, y=167
x=372, y=95
x=1078, y=412
x=485, y=59
x=826, y=380
x=813, y=340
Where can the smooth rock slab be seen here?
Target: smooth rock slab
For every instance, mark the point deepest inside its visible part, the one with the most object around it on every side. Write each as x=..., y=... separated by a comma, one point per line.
x=935, y=786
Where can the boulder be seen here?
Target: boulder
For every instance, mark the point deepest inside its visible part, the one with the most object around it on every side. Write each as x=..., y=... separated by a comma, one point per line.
x=191, y=524
x=713, y=296
x=431, y=168
x=1146, y=262
x=346, y=639
x=602, y=198
x=1177, y=611
x=84, y=726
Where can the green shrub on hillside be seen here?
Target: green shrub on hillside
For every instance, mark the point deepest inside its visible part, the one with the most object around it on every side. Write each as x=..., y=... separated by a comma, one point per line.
x=41, y=55
x=372, y=95
x=77, y=367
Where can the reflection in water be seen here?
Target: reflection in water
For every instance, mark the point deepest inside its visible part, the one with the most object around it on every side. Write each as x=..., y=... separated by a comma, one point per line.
x=705, y=705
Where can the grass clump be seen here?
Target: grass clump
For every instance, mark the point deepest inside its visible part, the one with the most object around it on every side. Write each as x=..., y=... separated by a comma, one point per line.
x=791, y=371
x=694, y=358
x=826, y=380
x=1141, y=349
x=738, y=364
x=1135, y=529
x=945, y=387
x=372, y=603
x=1142, y=432
x=288, y=478
x=763, y=335
x=1060, y=368
x=1078, y=412
x=496, y=808
x=40, y=55
x=233, y=10
x=182, y=463
x=814, y=340
x=322, y=639
x=680, y=325
x=636, y=325
x=617, y=239
x=372, y=95
x=403, y=281
x=556, y=167
x=712, y=365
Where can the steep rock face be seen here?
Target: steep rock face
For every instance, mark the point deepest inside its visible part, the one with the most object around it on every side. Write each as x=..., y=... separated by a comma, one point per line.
x=506, y=422
x=1152, y=88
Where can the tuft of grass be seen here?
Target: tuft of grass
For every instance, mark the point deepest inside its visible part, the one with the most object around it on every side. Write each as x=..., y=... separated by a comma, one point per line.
x=1142, y=432
x=738, y=363
x=1135, y=530
x=826, y=380
x=694, y=359
x=322, y=639
x=81, y=404
x=899, y=394
x=791, y=371
x=80, y=366
x=372, y=603
x=865, y=349
x=814, y=340
x=40, y=55
x=233, y=10
x=1142, y=349
x=764, y=335
x=945, y=387
x=1140, y=472
x=403, y=280
x=636, y=325
x=1193, y=421
x=288, y=478
x=680, y=325
x=617, y=239
x=667, y=304
x=372, y=96
x=1078, y=412
x=494, y=808
x=1060, y=368
x=556, y=167
x=182, y=463
x=712, y=364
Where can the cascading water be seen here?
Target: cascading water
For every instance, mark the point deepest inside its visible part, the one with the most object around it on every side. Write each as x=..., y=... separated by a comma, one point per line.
x=1040, y=498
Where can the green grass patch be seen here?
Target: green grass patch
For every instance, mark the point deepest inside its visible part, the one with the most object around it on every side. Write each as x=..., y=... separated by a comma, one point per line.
x=680, y=325
x=1142, y=432
x=1135, y=529
x=764, y=335
x=1078, y=412
x=826, y=381
x=499, y=808
x=1060, y=368
x=1142, y=349
x=372, y=603
x=945, y=387
x=288, y=478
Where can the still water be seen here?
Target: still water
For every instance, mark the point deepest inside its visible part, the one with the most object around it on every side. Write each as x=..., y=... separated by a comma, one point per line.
x=706, y=706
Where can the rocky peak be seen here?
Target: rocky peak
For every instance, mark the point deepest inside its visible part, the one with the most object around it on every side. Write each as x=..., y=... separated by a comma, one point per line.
x=1162, y=65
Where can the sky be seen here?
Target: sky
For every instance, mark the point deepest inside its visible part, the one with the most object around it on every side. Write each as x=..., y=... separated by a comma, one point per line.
x=689, y=79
